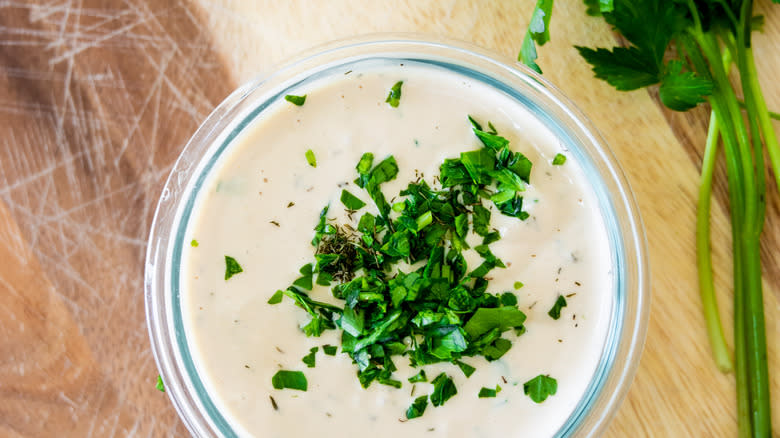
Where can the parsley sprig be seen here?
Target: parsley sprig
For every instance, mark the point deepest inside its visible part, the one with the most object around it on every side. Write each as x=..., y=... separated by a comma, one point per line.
x=707, y=38
x=436, y=309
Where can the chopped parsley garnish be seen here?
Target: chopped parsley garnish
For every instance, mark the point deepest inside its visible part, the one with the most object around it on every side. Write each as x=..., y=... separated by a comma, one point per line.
x=231, y=267
x=394, y=97
x=560, y=303
x=311, y=358
x=443, y=389
x=404, y=288
x=467, y=369
x=351, y=201
x=540, y=387
x=488, y=392
x=160, y=387
x=310, y=158
x=419, y=377
x=194, y=243
x=418, y=407
x=559, y=159
x=295, y=100
x=518, y=285
x=330, y=350
x=276, y=298
x=305, y=281
x=290, y=380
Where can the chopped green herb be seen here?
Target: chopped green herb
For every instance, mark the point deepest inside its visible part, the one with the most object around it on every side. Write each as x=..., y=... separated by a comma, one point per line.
x=290, y=380
x=160, y=387
x=467, y=369
x=538, y=31
x=555, y=311
x=443, y=389
x=438, y=311
x=231, y=267
x=394, y=97
x=310, y=158
x=351, y=201
x=488, y=392
x=487, y=319
x=417, y=408
x=559, y=160
x=540, y=387
x=419, y=377
x=518, y=285
x=295, y=100
x=311, y=358
x=330, y=350
x=305, y=281
x=276, y=298
x=508, y=299
x=194, y=243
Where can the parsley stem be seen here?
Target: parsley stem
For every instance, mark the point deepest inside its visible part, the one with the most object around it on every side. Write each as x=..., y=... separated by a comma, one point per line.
x=758, y=372
x=772, y=114
x=703, y=254
x=764, y=115
x=736, y=199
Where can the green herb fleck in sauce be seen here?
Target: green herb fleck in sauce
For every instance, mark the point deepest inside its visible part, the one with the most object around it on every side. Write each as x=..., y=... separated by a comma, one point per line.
x=231, y=267
x=295, y=100
x=394, y=97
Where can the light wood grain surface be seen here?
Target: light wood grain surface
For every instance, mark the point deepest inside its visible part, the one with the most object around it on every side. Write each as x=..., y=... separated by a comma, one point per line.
x=97, y=98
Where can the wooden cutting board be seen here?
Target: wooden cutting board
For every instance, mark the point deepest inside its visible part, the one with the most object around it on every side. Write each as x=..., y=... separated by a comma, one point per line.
x=98, y=97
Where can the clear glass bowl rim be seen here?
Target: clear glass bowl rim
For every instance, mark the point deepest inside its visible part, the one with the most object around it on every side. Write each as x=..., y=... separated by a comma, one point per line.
x=633, y=325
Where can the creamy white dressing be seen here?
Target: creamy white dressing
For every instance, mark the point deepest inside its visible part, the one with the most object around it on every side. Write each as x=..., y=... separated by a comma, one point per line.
x=238, y=341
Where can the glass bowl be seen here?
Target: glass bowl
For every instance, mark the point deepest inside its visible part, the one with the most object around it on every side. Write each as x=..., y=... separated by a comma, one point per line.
x=628, y=323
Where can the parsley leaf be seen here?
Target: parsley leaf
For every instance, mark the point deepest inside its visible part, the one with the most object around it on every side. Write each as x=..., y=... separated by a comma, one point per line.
x=296, y=100
x=231, y=267
x=290, y=380
x=443, y=389
x=160, y=387
x=394, y=97
x=487, y=319
x=311, y=359
x=539, y=31
x=351, y=201
x=276, y=298
x=555, y=311
x=625, y=68
x=481, y=220
x=417, y=408
x=305, y=281
x=419, y=377
x=559, y=159
x=540, y=387
x=467, y=369
x=310, y=158
x=597, y=7
x=682, y=91
x=330, y=350
x=194, y=243
x=488, y=392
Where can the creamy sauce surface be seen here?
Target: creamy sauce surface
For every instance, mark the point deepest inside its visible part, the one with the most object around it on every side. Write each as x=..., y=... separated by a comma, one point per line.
x=238, y=341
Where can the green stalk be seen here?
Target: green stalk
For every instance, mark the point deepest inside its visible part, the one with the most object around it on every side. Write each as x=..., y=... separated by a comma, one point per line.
x=764, y=115
x=737, y=227
x=737, y=203
x=772, y=114
x=758, y=372
x=703, y=254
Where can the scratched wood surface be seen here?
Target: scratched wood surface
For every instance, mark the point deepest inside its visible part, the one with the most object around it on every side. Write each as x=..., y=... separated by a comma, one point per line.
x=97, y=98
